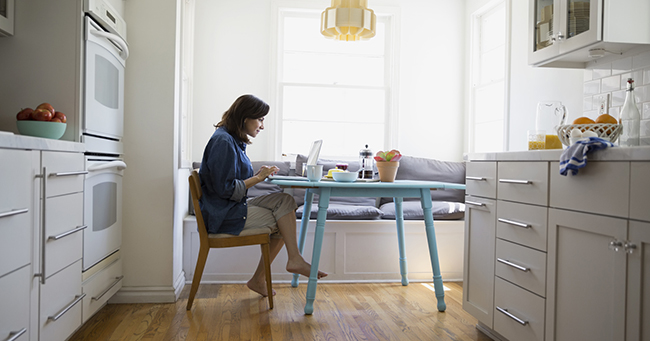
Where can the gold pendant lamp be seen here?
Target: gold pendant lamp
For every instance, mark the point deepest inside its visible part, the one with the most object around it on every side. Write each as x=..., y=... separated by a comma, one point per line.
x=348, y=20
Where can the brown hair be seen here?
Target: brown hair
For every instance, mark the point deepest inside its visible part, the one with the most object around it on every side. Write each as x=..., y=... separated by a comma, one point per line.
x=246, y=106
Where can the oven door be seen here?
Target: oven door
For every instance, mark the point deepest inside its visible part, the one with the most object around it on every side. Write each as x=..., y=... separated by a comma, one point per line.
x=105, y=60
x=102, y=210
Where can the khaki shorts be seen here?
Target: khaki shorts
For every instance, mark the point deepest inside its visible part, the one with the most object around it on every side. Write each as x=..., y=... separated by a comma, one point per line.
x=265, y=210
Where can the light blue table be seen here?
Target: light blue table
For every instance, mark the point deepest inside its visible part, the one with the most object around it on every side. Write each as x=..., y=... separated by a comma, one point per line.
x=398, y=190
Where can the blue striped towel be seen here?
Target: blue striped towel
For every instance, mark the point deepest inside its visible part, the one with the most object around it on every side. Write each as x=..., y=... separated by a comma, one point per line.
x=575, y=157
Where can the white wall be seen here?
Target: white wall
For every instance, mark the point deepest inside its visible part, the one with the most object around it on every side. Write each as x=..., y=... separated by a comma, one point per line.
x=233, y=56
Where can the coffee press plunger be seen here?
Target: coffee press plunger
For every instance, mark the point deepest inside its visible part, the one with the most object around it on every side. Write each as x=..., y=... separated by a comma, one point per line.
x=366, y=163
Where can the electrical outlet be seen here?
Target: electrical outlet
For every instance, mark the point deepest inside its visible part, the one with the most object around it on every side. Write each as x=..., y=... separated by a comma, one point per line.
x=603, y=106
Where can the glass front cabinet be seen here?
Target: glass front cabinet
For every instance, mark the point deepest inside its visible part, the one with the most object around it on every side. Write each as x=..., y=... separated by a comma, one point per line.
x=6, y=17
x=570, y=33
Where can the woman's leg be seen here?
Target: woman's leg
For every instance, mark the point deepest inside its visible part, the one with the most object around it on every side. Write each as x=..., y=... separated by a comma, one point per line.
x=295, y=264
x=257, y=283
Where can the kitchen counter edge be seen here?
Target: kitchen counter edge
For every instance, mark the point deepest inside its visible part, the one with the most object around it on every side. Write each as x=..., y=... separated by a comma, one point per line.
x=608, y=154
x=13, y=141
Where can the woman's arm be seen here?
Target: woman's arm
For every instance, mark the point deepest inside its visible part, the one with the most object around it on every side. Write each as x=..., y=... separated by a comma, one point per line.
x=262, y=174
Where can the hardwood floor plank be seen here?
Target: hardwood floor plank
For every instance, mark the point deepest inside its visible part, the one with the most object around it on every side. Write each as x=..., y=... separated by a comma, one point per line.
x=359, y=311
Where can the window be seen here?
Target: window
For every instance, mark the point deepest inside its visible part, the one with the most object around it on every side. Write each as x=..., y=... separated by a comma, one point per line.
x=488, y=96
x=336, y=91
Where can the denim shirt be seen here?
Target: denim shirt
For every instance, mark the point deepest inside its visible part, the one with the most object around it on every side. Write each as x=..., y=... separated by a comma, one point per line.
x=223, y=170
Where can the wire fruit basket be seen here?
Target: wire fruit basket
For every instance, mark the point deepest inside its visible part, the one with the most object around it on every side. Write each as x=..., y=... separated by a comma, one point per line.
x=607, y=131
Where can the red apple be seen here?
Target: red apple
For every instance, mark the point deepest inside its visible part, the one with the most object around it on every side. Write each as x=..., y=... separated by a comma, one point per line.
x=56, y=120
x=46, y=106
x=60, y=116
x=24, y=114
x=42, y=115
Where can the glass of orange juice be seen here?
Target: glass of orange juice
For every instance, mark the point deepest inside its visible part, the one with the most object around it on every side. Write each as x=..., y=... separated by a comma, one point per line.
x=536, y=139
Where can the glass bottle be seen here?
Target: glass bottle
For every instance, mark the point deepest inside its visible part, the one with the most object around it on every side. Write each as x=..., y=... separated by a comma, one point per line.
x=630, y=118
x=366, y=163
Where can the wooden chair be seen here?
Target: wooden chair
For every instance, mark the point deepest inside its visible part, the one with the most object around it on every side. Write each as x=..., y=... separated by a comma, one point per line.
x=247, y=237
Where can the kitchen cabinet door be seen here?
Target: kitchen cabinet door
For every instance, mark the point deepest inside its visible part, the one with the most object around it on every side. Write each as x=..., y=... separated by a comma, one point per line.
x=638, y=282
x=586, y=277
x=478, y=270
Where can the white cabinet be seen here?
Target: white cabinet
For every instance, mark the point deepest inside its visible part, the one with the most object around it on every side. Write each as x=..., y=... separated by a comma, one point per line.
x=638, y=281
x=561, y=32
x=6, y=17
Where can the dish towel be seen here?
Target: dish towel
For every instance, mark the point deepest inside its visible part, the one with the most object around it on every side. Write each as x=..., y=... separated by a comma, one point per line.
x=575, y=157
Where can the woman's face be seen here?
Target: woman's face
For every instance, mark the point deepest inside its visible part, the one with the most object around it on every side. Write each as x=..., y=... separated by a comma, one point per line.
x=253, y=126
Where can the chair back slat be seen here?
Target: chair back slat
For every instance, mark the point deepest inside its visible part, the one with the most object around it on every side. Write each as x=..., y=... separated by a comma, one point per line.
x=195, y=189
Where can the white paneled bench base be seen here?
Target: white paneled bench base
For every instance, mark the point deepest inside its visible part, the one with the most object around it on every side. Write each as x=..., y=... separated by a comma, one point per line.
x=353, y=251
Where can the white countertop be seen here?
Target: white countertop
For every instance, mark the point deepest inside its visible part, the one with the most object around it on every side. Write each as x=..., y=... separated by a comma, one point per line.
x=609, y=154
x=10, y=140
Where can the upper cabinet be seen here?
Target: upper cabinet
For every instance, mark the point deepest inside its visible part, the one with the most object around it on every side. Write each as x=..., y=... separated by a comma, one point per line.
x=6, y=17
x=571, y=33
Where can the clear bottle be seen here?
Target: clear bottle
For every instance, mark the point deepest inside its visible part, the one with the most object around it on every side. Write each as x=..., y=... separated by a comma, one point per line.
x=630, y=118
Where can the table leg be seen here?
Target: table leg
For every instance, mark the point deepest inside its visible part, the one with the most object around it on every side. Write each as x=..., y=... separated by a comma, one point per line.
x=425, y=199
x=304, y=224
x=323, y=203
x=399, y=219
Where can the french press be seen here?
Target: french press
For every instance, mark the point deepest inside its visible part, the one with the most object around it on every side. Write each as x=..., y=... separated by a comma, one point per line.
x=366, y=163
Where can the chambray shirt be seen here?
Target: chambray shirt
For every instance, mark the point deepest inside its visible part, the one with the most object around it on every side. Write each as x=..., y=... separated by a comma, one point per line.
x=223, y=170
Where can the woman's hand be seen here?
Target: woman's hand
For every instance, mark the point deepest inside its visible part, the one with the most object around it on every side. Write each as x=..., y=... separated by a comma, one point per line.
x=265, y=171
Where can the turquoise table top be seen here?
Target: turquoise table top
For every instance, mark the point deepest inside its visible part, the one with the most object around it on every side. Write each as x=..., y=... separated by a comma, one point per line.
x=370, y=184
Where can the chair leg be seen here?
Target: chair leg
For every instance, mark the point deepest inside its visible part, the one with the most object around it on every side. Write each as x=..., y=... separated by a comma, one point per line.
x=266, y=254
x=198, y=273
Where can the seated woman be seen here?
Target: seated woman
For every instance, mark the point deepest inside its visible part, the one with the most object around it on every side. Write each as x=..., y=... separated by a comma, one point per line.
x=226, y=173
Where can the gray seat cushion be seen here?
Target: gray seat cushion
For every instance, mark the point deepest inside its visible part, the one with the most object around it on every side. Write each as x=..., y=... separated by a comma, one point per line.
x=442, y=210
x=344, y=212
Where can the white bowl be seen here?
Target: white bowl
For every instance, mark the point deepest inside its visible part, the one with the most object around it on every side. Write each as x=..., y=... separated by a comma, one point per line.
x=345, y=176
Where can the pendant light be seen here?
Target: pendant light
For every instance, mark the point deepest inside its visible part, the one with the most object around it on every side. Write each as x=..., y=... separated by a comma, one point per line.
x=348, y=20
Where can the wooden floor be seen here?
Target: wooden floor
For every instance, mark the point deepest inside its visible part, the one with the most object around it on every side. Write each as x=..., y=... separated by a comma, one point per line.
x=367, y=311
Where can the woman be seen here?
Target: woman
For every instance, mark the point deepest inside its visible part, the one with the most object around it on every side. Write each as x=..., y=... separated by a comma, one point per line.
x=226, y=173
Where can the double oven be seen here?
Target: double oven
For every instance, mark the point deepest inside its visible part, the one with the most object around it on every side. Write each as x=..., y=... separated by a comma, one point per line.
x=102, y=129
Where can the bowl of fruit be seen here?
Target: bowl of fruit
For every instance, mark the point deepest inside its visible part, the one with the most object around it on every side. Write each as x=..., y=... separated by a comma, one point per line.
x=43, y=121
x=605, y=126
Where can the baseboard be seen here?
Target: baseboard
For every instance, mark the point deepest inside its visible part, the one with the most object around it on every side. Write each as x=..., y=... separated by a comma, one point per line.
x=150, y=294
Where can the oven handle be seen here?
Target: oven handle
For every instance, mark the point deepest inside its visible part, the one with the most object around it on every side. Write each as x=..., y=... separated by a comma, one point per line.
x=120, y=165
x=116, y=39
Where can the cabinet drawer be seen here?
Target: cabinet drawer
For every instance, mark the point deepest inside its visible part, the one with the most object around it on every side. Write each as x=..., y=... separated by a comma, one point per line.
x=480, y=179
x=14, y=309
x=522, y=266
x=525, y=321
x=64, y=215
x=100, y=287
x=600, y=187
x=525, y=182
x=640, y=191
x=65, y=172
x=522, y=224
x=15, y=238
x=60, y=304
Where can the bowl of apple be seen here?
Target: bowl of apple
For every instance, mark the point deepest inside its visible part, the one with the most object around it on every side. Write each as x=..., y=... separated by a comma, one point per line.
x=43, y=121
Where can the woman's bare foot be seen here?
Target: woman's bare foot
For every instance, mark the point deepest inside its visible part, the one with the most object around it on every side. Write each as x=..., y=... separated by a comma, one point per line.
x=303, y=268
x=258, y=287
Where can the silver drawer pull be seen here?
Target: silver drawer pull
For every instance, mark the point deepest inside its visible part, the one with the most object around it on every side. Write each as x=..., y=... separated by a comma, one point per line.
x=14, y=212
x=475, y=178
x=65, y=234
x=65, y=310
x=474, y=203
x=516, y=223
x=117, y=280
x=69, y=173
x=505, y=312
x=509, y=263
x=513, y=181
x=13, y=336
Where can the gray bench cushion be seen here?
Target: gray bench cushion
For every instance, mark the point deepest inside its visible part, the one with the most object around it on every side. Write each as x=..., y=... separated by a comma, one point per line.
x=442, y=210
x=344, y=212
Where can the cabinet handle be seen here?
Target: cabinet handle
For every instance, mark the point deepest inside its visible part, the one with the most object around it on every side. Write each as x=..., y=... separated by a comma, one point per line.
x=65, y=310
x=13, y=336
x=513, y=181
x=475, y=178
x=516, y=223
x=474, y=203
x=117, y=280
x=509, y=263
x=43, y=220
x=69, y=173
x=505, y=312
x=560, y=36
x=629, y=247
x=615, y=245
x=65, y=234
x=14, y=212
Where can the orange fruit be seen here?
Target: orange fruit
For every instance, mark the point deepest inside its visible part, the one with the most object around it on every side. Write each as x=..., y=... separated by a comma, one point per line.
x=583, y=120
x=606, y=118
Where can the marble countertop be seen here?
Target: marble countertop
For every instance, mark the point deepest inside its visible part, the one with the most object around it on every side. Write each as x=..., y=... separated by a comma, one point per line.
x=609, y=154
x=10, y=140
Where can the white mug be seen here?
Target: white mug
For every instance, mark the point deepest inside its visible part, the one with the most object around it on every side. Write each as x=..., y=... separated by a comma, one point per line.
x=314, y=172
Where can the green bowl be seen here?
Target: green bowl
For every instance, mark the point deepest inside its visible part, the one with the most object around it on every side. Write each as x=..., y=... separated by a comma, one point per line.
x=50, y=130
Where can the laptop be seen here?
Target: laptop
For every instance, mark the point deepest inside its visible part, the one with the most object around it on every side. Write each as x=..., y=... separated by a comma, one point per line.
x=312, y=159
